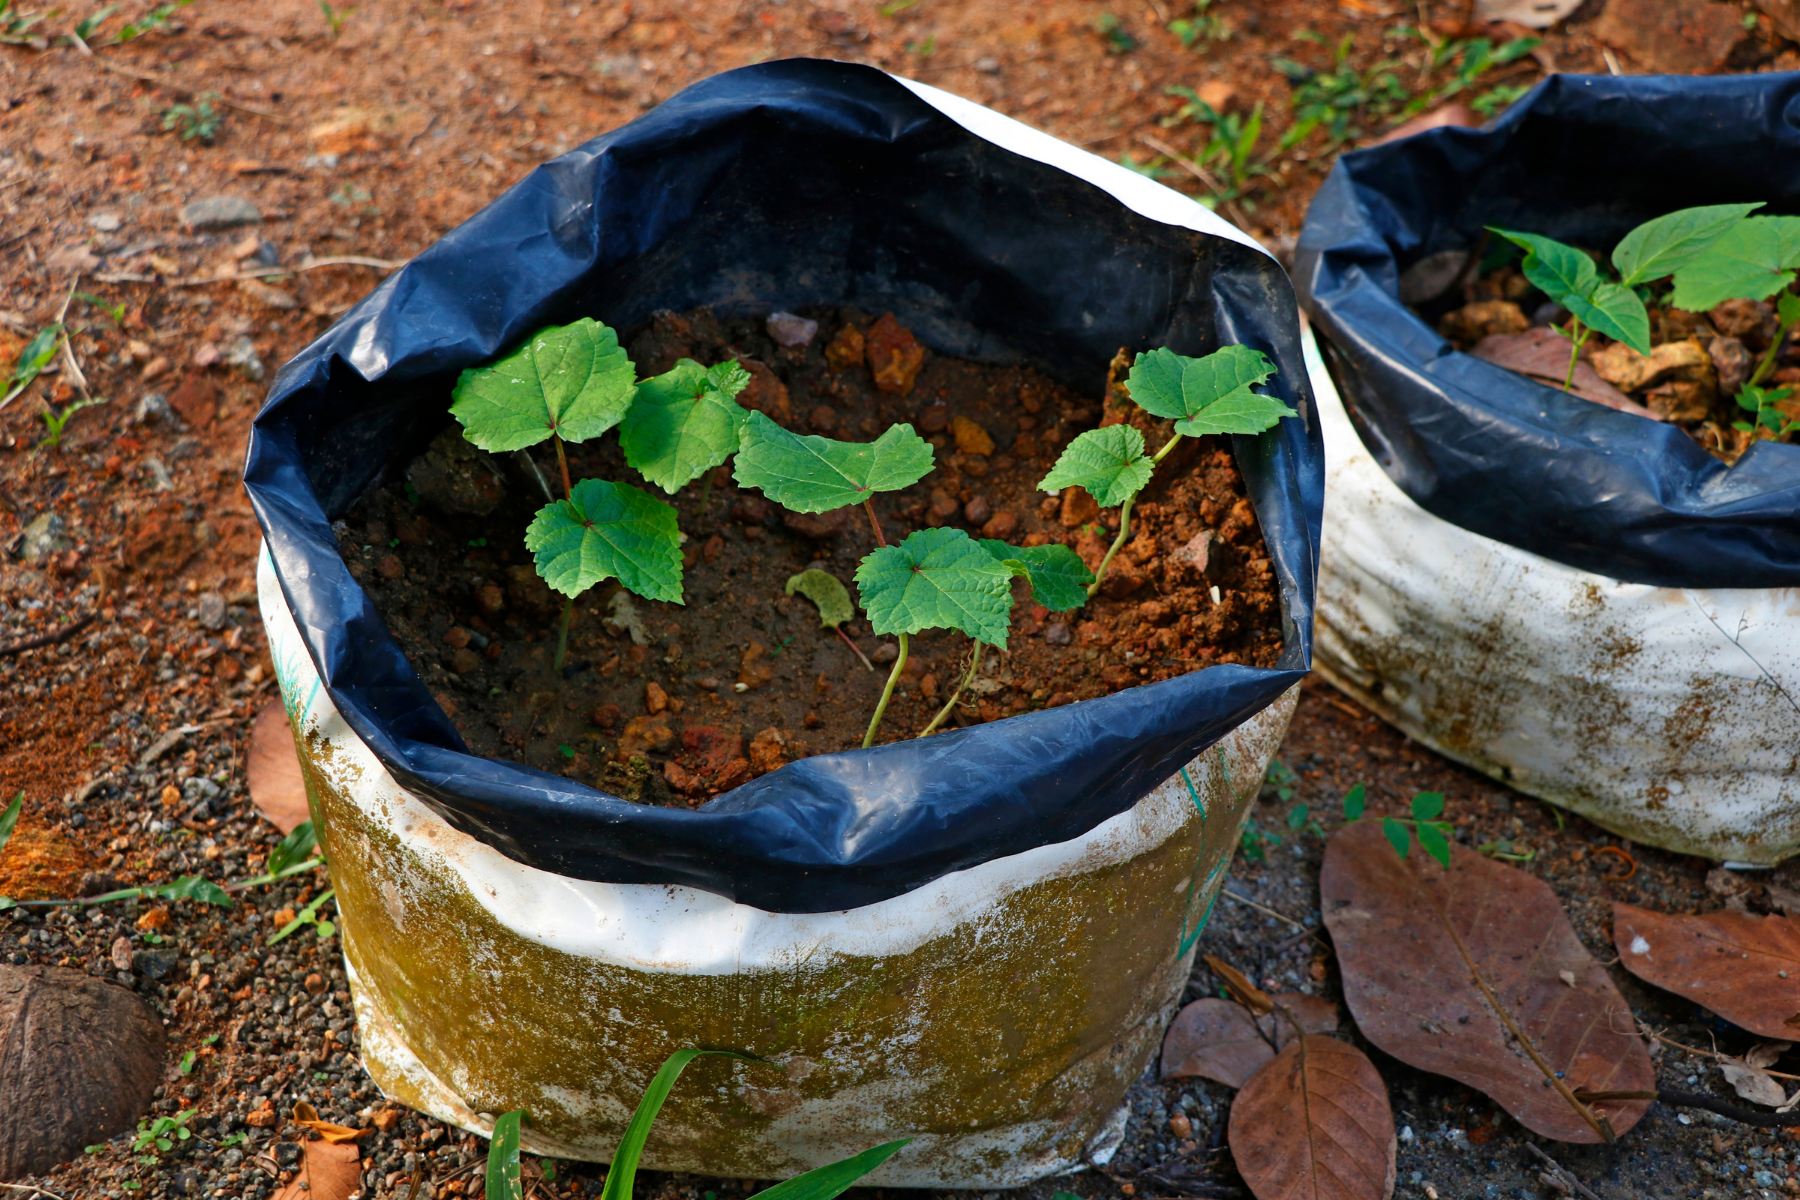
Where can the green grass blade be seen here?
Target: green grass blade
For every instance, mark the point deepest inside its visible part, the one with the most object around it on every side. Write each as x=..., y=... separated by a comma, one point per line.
x=825, y=1182
x=503, y=1158
x=9, y=818
x=623, y=1172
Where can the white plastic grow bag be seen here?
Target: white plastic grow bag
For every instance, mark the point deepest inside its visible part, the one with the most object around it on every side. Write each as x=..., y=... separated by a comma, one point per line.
x=1670, y=716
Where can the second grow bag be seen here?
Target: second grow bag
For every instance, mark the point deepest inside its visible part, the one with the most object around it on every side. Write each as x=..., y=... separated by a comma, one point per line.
x=973, y=939
x=1580, y=602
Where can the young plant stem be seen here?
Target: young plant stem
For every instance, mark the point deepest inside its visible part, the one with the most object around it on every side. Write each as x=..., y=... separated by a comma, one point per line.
x=967, y=679
x=886, y=692
x=869, y=507
x=1768, y=359
x=1125, y=519
x=562, y=635
x=1575, y=351
x=562, y=461
x=854, y=648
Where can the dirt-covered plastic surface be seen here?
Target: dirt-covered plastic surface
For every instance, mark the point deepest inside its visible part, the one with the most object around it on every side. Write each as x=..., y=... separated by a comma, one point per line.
x=674, y=703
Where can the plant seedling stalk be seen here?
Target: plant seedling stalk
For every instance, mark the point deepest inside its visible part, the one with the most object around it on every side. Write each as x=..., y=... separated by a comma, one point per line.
x=888, y=691
x=869, y=507
x=562, y=461
x=1768, y=359
x=1125, y=520
x=1575, y=350
x=562, y=634
x=967, y=679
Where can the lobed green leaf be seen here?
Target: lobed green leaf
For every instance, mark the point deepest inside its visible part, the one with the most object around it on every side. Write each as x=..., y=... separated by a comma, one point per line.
x=1108, y=462
x=826, y=591
x=1667, y=243
x=684, y=422
x=937, y=579
x=608, y=531
x=574, y=381
x=1167, y=384
x=1754, y=259
x=1243, y=411
x=1560, y=272
x=808, y=473
x=1059, y=579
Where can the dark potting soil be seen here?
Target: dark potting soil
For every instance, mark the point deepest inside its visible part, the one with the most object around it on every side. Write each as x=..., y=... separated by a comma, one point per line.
x=1698, y=361
x=675, y=703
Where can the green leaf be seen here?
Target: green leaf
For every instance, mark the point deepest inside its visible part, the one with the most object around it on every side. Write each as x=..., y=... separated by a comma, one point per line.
x=571, y=380
x=191, y=887
x=1427, y=806
x=807, y=473
x=1787, y=309
x=1434, y=843
x=684, y=422
x=823, y=1183
x=1754, y=259
x=1059, y=579
x=824, y=590
x=10, y=818
x=293, y=848
x=937, y=579
x=1109, y=462
x=1206, y=395
x=33, y=359
x=1355, y=801
x=503, y=1181
x=1296, y=817
x=1560, y=272
x=608, y=531
x=622, y=1174
x=1615, y=311
x=1664, y=245
x=187, y=1062
x=1397, y=835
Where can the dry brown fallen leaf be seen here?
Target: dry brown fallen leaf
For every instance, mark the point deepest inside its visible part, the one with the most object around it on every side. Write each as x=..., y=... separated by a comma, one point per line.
x=1754, y=1084
x=1543, y=354
x=329, y=1172
x=1744, y=967
x=1457, y=972
x=1456, y=114
x=276, y=786
x=306, y=1116
x=1219, y=1039
x=1315, y=1124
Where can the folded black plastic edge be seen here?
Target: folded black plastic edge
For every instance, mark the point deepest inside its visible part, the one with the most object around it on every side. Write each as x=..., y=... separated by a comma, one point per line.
x=1582, y=159
x=601, y=230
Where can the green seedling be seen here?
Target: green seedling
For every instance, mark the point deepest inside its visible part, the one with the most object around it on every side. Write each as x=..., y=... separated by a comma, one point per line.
x=1202, y=395
x=833, y=601
x=1230, y=147
x=1507, y=849
x=163, y=1132
x=156, y=18
x=1340, y=99
x=1256, y=843
x=1427, y=807
x=113, y=312
x=1763, y=404
x=55, y=421
x=15, y=26
x=1201, y=27
x=1282, y=778
x=1477, y=57
x=1496, y=98
x=822, y=1183
x=309, y=916
x=335, y=17
x=1118, y=41
x=1150, y=168
x=187, y=1062
x=1654, y=250
x=86, y=29
x=33, y=359
x=1299, y=820
x=199, y=121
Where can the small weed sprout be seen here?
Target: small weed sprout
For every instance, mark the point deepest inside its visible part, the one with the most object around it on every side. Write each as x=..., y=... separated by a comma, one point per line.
x=199, y=121
x=162, y=1133
x=1427, y=807
x=157, y=18
x=308, y=916
x=335, y=17
x=1338, y=99
x=1201, y=26
x=1202, y=395
x=503, y=1176
x=1118, y=41
x=32, y=360
x=55, y=421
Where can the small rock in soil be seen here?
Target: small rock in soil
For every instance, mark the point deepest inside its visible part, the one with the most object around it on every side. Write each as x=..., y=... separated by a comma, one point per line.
x=791, y=331
x=454, y=476
x=46, y=535
x=977, y=510
x=219, y=212
x=970, y=437
x=894, y=355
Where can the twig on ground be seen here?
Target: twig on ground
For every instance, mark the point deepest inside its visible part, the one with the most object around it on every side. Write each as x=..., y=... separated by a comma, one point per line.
x=1681, y=1099
x=1561, y=1174
x=344, y=260
x=48, y=639
x=1245, y=900
x=31, y=1188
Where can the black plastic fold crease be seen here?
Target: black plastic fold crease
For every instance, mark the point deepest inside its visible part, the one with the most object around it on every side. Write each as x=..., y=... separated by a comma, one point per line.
x=1582, y=159
x=779, y=186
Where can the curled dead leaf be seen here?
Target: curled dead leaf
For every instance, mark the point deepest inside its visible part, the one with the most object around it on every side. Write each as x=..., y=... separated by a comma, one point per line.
x=1220, y=1040
x=1753, y=1084
x=1458, y=971
x=1247, y=993
x=307, y=1117
x=328, y=1172
x=273, y=771
x=1744, y=967
x=1315, y=1124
